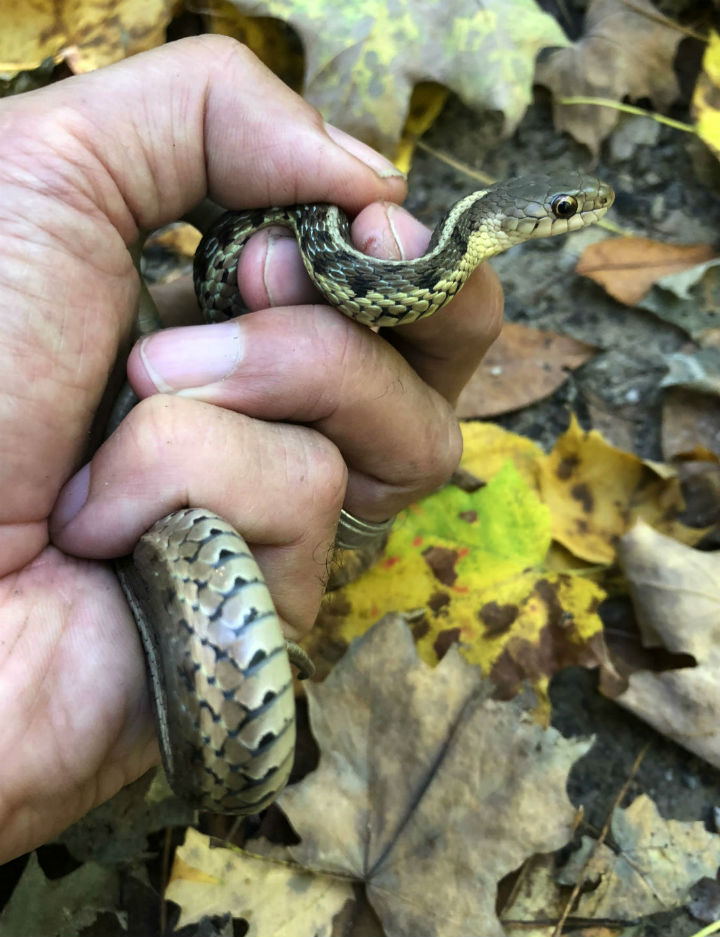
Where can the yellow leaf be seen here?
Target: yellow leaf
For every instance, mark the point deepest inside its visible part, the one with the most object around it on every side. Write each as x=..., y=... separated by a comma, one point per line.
x=487, y=447
x=469, y=567
x=274, y=897
x=706, y=109
x=595, y=493
x=87, y=35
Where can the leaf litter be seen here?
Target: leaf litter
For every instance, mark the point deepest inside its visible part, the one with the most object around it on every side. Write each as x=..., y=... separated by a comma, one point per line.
x=428, y=792
x=401, y=836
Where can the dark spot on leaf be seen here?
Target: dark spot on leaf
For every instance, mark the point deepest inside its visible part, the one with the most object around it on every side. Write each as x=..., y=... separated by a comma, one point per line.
x=420, y=627
x=442, y=563
x=438, y=601
x=444, y=641
x=567, y=466
x=557, y=616
x=583, y=494
x=469, y=517
x=497, y=618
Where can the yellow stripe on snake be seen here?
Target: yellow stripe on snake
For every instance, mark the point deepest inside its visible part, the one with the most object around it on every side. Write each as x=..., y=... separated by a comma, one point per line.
x=217, y=659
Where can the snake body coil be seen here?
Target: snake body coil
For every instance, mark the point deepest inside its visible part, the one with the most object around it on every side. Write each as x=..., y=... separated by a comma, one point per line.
x=219, y=670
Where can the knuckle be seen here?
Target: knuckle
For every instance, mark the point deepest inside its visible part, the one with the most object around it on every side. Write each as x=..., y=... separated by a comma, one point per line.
x=439, y=455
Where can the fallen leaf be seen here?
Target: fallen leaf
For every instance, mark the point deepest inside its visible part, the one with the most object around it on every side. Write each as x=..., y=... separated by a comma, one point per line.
x=487, y=447
x=705, y=97
x=86, y=35
x=676, y=597
x=689, y=300
x=62, y=907
x=274, y=897
x=652, y=866
x=595, y=492
x=472, y=564
x=699, y=371
x=523, y=366
x=627, y=267
x=361, y=72
x=427, y=791
x=641, y=49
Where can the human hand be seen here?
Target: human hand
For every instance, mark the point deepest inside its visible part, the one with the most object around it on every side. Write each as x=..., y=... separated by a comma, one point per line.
x=86, y=165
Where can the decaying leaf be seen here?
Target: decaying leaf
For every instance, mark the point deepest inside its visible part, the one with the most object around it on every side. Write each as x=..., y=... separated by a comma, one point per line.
x=676, y=596
x=360, y=72
x=472, y=563
x=641, y=49
x=627, y=267
x=595, y=492
x=86, y=35
x=60, y=908
x=652, y=867
x=427, y=792
x=523, y=366
x=705, y=98
x=689, y=300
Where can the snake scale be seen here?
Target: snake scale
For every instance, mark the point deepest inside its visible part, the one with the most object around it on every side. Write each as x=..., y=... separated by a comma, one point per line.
x=217, y=659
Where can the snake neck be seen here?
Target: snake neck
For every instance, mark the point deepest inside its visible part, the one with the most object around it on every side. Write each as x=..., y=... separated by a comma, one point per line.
x=387, y=292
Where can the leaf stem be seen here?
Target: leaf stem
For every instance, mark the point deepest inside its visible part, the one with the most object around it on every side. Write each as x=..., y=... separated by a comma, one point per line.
x=629, y=109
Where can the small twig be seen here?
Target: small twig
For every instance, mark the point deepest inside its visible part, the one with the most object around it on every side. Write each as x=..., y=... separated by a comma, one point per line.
x=456, y=164
x=630, y=109
x=599, y=842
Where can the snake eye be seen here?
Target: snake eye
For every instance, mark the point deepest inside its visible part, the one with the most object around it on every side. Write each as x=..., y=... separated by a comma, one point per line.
x=564, y=206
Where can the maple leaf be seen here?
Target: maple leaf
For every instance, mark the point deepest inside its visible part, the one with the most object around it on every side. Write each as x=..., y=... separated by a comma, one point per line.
x=427, y=791
x=641, y=50
x=363, y=60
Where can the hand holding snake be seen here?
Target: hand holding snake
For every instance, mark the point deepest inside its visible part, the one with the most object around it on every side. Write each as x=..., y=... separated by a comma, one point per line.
x=80, y=173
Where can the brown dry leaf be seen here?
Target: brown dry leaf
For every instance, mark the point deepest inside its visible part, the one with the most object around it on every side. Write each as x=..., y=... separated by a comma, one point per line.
x=85, y=34
x=595, y=492
x=627, y=267
x=427, y=791
x=652, y=867
x=625, y=51
x=523, y=365
x=361, y=70
x=676, y=596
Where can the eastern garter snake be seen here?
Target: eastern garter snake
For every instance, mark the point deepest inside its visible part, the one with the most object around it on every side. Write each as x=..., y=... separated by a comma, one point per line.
x=219, y=669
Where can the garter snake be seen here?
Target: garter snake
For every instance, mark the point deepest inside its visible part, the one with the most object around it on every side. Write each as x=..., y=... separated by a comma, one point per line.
x=216, y=655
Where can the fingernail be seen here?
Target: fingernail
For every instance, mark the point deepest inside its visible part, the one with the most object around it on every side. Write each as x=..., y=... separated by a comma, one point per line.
x=72, y=497
x=180, y=359
x=376, y=161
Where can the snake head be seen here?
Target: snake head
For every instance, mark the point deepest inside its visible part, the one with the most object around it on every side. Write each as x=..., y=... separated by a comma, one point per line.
x=542, y=206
